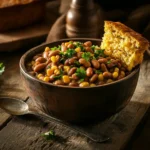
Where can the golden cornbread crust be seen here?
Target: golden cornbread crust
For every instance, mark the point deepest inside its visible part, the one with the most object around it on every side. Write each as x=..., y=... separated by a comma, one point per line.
x=120, y=41
x=9, y=3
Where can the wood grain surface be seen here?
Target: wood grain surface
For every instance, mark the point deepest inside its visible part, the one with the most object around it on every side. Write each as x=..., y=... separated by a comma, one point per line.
x=25, y=132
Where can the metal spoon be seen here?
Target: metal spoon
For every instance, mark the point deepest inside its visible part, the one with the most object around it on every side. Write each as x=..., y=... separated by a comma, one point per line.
x=18, y=107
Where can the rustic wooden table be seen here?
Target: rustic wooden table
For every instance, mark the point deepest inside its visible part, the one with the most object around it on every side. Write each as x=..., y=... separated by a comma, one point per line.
x=24, y=132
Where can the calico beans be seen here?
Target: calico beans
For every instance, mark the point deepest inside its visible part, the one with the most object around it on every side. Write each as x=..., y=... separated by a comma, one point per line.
x=76, y=64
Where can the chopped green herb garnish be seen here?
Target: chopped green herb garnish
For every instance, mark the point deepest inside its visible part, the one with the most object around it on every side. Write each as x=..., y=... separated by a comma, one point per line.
x=2, y=68
x=69, y=53
x=79, y=44
x=81, y=80
x=98, y=71
x=98, y=53
x=56, y=48
x=93, y=47
x=49, y=135
x=86, y=56
x=77, y=63
x=109, y=61
x=81, y=73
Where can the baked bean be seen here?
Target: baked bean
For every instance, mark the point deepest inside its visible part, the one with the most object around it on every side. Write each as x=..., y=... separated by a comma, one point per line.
x=60, y=66
x=95, y=64
x=73, y=84
x=70, y=46
x=88, y=49
x=41, y=59
x=63, y=47
x=85, y=63
x=79, y=54
x=66, y=62
x=111, y=65
x=101, y=82
x=74, y=76
x=102, y=60
x=72, y=60
x=104, y=68
x=45, y=54
x=107, y=75
x=94, y=78
x=37, y=56
x=72, y=71
x=54, y=53
x=58, y=82
x=89, y=72
x=39, y=67
x=119, y=65
x=52, y=77
x=88, y=43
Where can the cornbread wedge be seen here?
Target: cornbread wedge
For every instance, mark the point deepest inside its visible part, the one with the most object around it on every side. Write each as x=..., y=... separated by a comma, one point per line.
x=119, y=41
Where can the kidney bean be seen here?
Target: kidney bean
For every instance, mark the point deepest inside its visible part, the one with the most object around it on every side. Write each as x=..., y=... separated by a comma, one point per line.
x=103, y=67
x=107, y=75
x=45, y=54
x=89, y=72
x=61, y=66
x=74, y=76
x=39, y=67
x=54, y=53
x=70, y=46
x=111, y=65
x=36, y=56
x=63, y=47
x=58, y=82
x=88, y=43
x=73, y=84
x=95, y=64
x=119, y=65
x=52, y=77
x=94, y=78
x=66, y=62
x=72, y=60
x=101, y=82
x=79, y=54
x=41, y=59
x=123, y=68
x=72, y=71
x=102, y=60
x=85, y=63
x=88, y=49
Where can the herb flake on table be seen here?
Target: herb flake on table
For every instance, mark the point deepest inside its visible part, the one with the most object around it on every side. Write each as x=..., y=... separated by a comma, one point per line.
x=2, y=68
x=50, y=135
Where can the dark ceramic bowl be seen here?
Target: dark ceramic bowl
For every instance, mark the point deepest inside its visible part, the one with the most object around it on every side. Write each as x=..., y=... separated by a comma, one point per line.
x=74, y=104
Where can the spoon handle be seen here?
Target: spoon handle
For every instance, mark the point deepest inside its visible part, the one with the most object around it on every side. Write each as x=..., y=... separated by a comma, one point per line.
x=94, y=137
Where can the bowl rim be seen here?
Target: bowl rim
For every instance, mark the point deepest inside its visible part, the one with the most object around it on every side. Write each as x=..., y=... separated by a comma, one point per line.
x=25, y=72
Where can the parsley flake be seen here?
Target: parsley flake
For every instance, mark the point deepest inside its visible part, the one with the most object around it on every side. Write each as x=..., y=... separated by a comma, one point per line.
x=81, y=73
x=56, y=48
x=98, y=53
x=69, y=53
x=86, y=56
x=49, y=135
x=2, y=68
x=109, y=61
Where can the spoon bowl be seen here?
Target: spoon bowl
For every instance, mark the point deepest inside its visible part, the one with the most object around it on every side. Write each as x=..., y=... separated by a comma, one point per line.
x=14, y=106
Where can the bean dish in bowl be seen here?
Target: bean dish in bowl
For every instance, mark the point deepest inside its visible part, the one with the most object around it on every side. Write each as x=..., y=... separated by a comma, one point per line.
x=78, y=64
x=81, y=79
